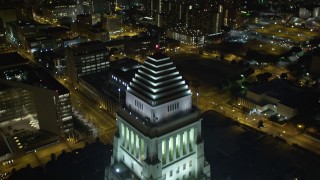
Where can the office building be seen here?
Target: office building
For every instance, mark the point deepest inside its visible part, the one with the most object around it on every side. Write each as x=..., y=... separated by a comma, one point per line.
x=112, y=23
x=86, y=58
x=32, y=92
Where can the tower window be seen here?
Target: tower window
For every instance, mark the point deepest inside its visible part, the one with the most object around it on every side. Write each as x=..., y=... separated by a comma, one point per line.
x=173, y=107
x=138, y=104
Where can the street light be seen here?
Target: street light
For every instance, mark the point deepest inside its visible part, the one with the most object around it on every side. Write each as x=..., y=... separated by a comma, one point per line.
x=197, y=98
x=119, y=95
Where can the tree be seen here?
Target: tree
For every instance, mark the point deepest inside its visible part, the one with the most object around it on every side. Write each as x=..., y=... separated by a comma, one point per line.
x=260, y=124
x=264, y=77
x=235, y=91
x=296, y=49
x=53, y=156
x=283, y=75
x=113, y=50
x=248, y=72
x=273, y=118
x=226, y=28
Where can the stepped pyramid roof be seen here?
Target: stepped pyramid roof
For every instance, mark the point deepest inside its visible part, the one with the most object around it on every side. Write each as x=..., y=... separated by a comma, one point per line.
x=158, y=81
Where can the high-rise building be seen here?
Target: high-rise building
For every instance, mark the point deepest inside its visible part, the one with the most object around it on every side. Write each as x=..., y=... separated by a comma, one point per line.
x=159, y=129
x=103, y=6
x=57, y=10
x=86, y=58
x=207, y=16
x=84, y=22
x=112, y=23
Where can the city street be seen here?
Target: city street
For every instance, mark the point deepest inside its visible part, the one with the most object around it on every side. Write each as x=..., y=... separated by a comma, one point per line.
x=99, y=117
x=41, y=156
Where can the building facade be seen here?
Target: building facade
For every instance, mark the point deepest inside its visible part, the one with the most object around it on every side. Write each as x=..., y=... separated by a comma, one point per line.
x=33, y=92
x=86, y=58
x=159, y=130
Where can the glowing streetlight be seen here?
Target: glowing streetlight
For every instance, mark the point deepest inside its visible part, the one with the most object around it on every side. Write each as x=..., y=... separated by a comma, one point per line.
x=119, y=95
x=197, y=98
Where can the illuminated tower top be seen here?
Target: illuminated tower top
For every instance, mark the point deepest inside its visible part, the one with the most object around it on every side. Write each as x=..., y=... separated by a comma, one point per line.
x=158, y=90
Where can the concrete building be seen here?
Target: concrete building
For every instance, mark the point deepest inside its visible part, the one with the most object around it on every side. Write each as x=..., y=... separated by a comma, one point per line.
x=58, y=10
x=159, y=130
x=140, y=45
x=19, y=32
x=112, y=23
x=86, y=58
x=33, y=92
x=103, y=6
x=277, y=97
x=185, y=36
x=84, y=22
x=207, y=16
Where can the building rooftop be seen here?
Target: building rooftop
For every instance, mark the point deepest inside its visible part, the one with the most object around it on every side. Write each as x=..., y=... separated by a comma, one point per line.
x=266, y=87
x=40, y=38
x=85, y=47
x=125, y=64
x=116, y=42
x=55, y=30
x=286, y=93
x=96, y=80
x=33, y=76
x=11, y=59
x=124, y=75
x=281, y=92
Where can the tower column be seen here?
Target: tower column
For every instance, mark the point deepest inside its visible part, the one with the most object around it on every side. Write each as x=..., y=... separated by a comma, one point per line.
x=125, y=137
x=188, y=141
x=134, y=145
x=174, y=148
x=167, y=150
x=129, y=143
x=181, y=144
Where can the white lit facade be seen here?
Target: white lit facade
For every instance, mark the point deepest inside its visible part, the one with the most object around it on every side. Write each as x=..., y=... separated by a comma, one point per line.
x=159, y=131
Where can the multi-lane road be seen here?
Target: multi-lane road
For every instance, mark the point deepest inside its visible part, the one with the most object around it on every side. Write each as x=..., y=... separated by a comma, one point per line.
x=101, y=119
